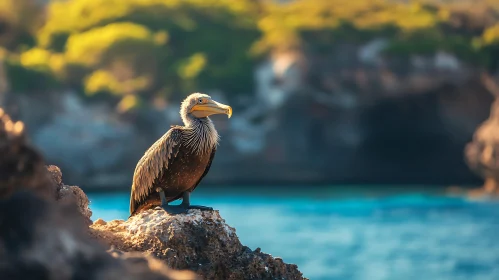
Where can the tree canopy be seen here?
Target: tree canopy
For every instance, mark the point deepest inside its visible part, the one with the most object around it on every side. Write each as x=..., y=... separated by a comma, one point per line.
x=135, y=50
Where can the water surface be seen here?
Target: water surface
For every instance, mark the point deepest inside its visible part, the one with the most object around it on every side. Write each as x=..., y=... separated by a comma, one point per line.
x=362, y=234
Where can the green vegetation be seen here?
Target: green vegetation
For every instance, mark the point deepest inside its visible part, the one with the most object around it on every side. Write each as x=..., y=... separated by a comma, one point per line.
x=135, y=50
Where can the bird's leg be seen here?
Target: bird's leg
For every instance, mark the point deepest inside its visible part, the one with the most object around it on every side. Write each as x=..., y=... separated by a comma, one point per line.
x=171, y=209
x=186, y=202
x=164, y=202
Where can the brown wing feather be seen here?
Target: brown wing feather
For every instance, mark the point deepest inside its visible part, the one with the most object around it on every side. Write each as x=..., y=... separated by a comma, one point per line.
x=207, y=169
x=158, y=157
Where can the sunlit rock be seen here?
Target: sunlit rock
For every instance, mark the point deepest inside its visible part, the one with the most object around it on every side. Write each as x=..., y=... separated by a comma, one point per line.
x=482, y=153
x=200, y=241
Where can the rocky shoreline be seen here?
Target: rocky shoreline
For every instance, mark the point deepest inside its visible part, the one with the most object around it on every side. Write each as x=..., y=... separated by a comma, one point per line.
x=46, y=232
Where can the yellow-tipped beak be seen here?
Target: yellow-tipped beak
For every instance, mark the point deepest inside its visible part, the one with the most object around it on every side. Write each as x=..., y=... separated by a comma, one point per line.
x=209, y=108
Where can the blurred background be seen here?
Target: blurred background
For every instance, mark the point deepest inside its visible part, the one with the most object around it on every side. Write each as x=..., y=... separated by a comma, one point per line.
x=352, y=118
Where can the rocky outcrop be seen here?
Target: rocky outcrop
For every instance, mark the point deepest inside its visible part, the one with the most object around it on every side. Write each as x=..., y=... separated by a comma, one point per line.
x=43, y=230
x=51, y=242
x=200, y=241
x=482, y=153
x=70, y=194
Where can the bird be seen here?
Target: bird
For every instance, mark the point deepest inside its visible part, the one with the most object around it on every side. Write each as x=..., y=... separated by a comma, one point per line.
x=177, y=162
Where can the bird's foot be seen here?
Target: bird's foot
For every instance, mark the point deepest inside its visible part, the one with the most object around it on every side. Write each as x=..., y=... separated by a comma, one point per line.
x=174, y=209
x=205, y=208
x=182, y=209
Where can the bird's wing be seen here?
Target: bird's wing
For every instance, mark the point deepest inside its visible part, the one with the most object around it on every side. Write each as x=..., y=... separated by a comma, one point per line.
x=207, y=168
x=157, y=158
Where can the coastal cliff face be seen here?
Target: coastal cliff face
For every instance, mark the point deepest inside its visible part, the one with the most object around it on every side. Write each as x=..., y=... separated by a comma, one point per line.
x=327, y=97
x=367, y=123
x=45, y=234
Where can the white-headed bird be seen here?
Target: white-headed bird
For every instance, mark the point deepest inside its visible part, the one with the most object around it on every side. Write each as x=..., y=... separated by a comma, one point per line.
x=175, y=164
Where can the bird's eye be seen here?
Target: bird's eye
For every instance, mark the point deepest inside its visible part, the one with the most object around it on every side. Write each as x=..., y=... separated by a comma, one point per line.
x=200, y=100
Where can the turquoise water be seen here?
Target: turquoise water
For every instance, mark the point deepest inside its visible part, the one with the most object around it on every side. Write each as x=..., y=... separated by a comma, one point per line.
x=415, y=235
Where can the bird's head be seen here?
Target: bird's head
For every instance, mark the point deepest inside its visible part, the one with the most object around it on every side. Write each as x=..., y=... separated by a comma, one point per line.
x=200, y=105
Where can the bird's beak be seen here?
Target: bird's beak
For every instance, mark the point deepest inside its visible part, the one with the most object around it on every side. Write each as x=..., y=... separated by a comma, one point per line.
x=209, y=108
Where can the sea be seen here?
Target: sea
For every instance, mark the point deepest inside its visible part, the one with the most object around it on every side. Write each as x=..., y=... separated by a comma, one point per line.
x=355, y=232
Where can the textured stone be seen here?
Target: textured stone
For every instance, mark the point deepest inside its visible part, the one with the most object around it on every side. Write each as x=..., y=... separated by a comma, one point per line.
x=200, y=241
x=70, y=194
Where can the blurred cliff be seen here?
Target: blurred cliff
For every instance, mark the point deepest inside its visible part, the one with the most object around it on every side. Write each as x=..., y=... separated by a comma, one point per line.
x=323, y=91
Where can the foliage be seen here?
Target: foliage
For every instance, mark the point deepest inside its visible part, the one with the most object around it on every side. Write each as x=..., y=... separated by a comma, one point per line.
x=134, y=50
x=19, y=20
x=414, y=28
x=153, y=47
x=283, y=24
x=29, y=78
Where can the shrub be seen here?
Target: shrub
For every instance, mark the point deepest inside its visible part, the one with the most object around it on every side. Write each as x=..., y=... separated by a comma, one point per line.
x=135, y=50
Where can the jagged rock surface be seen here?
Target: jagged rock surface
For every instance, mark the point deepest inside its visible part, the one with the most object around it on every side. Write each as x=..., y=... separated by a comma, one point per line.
x=200, y=241
x=43, y=234
x=70, y=194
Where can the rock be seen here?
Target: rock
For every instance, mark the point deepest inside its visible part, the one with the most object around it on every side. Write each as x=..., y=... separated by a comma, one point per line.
x=70, y=194
x=52, y=242
x=200, y=241
x=481, y=154
x=56, y=175
x=43, y=234
x=137, y=262
x=100, y=221
x=91, y=134
x=21, y=166
x=371, y=53
x=78, y=197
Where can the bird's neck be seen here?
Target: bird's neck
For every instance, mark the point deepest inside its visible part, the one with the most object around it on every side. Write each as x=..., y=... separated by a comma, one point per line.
x=191, y=122
x=201, y=134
